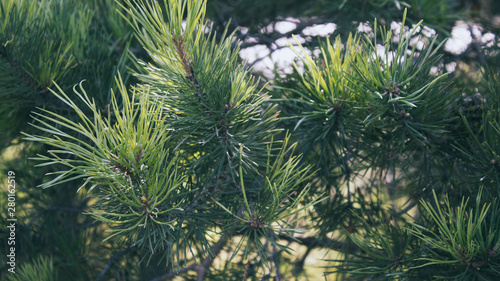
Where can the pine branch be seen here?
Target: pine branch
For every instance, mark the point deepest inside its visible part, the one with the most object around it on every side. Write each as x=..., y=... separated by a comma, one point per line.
x=207, y=262
x=110, y=261
x=275, y=260
x=245, y=273
x=326, y=243
x=200, y=269
x=193, y=267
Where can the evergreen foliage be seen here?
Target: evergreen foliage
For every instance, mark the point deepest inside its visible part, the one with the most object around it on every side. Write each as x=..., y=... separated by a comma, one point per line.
x=144, y=148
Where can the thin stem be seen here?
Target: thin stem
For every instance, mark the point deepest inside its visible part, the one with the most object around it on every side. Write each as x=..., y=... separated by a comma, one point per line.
x=202, y=268
x=243, y=185
x=275, y=260
x=245, y=274
x=110, y=261
x=313, y=242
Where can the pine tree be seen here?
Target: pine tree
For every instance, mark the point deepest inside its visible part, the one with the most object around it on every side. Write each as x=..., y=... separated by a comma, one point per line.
x=143, y=147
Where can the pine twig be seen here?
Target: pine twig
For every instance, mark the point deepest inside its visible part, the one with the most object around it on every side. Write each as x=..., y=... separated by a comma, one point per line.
x=275, y=260
x=207, y=262
x=327, y=243
x=299, y=266
x=245, y=274
x=110, y=261
x=201, y=269
x=169, y=275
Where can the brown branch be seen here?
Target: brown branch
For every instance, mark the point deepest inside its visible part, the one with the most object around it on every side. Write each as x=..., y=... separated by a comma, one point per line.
x=187, y=64
x=275, y=256
x=180, y=48
x=299, y=266
x=201, y=269
x=275, y=260
x=196, y=201
x=207, y=262
x=245, y=274
x=173, y=274
x=328, y=243
x=110, y=261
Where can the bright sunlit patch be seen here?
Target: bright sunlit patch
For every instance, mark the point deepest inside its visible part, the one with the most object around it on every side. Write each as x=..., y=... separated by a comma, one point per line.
x=460, y=40
x=488, y=39
x=285, y=26
x=254, y=53
x=320, y=29
x=280, y=26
